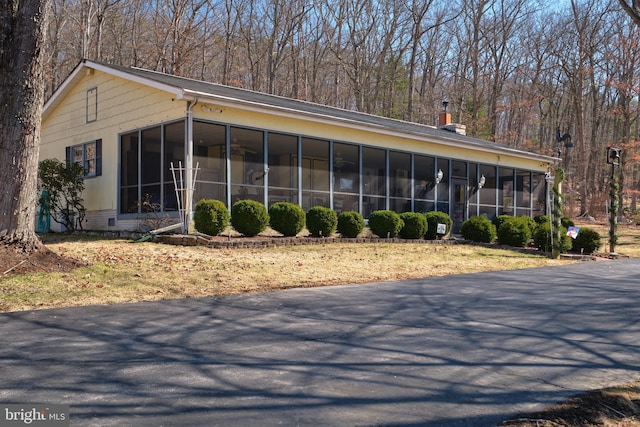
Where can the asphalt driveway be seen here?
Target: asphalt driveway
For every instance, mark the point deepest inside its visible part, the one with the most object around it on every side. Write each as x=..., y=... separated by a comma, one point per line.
x=465, y=350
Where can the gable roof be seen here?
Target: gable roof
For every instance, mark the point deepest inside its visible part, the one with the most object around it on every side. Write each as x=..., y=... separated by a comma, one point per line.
x=182, y=88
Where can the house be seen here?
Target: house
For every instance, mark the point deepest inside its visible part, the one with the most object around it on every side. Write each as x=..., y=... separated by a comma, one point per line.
x=128, y=126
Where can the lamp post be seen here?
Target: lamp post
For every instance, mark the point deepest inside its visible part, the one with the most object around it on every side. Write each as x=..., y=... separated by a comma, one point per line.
x=613, y=158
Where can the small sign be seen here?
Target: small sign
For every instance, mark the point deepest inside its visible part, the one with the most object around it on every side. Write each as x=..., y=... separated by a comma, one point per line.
x=573, y=232
x=441, y=229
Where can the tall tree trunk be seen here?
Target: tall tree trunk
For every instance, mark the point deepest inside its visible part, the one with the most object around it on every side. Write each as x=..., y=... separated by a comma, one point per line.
x=22, y=35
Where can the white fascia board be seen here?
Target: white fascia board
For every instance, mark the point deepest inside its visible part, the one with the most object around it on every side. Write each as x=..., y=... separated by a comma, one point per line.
x=76, y=74
x=177, y=92
x=61, y=91
x=354, y=124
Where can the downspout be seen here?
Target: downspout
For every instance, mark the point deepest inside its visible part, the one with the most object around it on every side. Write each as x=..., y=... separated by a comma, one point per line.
x=189, y=184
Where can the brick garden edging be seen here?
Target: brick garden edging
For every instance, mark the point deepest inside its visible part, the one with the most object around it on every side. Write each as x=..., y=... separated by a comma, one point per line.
x=265, y=242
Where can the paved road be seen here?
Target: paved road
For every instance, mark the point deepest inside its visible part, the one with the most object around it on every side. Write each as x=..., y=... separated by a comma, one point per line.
x=466, y=350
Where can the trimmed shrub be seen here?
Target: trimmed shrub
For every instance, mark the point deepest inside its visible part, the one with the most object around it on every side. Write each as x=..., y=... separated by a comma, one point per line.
x=249, y=217
x=385, y=223
x=498, y=220
x=350, y=224
x=321, y=221
x=433, y=219
x=542, y=238
x=514, y=231
x=211, y=217
x=478, y=229
x=287, y=218
x=587, y=241
x=415, y=225
x=566, y=222
x=530, y=223
x=541, y=219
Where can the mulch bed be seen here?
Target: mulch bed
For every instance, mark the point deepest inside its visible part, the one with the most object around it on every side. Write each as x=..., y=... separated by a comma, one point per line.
x=15, y=261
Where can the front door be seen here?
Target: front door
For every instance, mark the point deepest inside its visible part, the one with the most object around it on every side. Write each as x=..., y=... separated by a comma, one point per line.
x=459, y=199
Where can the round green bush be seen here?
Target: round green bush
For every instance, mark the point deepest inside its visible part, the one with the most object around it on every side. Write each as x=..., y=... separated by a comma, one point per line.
x=530, y=223
x=321, y=221
x=498, y=220
x=287, y=218
x=478, y=229
x=542, y=238
x=514, y=231
x=415, y=225
x=350, y=224
x=385, y=223
x=249, y=217
x=541, y=219
x=566, y=222
x=210, y=217
x=587, y=241
x=433, y=219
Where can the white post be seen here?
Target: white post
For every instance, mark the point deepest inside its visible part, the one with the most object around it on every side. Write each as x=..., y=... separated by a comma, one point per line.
x=188, y=168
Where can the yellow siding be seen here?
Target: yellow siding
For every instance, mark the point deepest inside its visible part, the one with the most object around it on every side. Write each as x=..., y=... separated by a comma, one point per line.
x=122, y=106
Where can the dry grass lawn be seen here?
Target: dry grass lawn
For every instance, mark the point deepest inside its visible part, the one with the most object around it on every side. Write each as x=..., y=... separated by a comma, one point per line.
x=120, y=271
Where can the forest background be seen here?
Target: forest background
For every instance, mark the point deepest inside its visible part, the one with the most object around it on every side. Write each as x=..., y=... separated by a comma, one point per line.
x=516, y=72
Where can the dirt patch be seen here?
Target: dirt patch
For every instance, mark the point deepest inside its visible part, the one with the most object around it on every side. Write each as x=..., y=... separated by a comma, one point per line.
x=15, y=261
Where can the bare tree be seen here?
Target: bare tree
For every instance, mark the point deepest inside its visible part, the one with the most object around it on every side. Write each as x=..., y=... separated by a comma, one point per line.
x=332, y=17
x=316, y=61
x=472, y=39
x=176, y=33
x=537, y=80
x=101, y=10
x=361, y=22
x=91, y=22
x=233, y=10
x=22, y=36
x=124, y=44
x=423, y=20
x=622, y=68
x=250, y=28
x=586, y=23
x=504, y=38
x=632, y=9
x=55, y=68
x=436, y=79
x=284, y=18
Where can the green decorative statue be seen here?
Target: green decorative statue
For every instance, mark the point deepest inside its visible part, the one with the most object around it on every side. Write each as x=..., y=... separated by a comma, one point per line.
x=556, y=213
